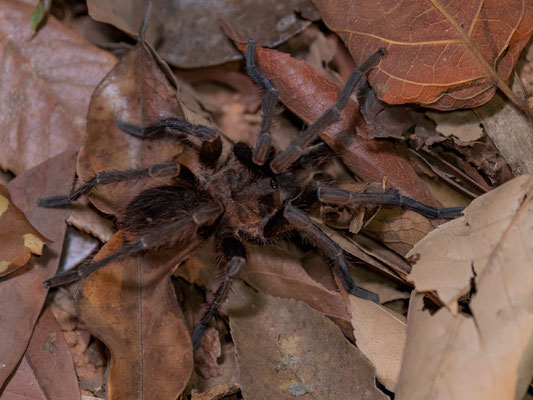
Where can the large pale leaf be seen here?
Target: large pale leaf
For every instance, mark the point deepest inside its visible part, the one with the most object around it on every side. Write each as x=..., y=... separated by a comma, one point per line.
x=452, y=254
x=489, y=354
x=380, y=335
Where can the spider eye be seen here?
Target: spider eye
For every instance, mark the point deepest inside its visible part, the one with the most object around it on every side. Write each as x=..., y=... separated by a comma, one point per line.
x=274, y=183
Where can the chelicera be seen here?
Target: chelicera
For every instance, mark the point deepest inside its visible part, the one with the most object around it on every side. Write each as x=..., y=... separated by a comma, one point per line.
x=250, y=195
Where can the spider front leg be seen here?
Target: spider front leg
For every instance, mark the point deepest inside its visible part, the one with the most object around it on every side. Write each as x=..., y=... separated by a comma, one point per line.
x=270, y=99
x=392, y=198
x=298, y=146
x=169, y=169
x=179, y=229
x=301, y=221
x=234, y=261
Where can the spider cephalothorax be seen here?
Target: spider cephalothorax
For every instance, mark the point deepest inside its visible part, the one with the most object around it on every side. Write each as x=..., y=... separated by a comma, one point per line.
x=251, y=195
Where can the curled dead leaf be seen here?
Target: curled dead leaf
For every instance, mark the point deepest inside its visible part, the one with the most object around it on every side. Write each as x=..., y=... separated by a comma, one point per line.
x=488, y=354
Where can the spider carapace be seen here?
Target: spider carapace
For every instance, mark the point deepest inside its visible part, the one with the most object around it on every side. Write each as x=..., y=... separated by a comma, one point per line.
x=252, y=195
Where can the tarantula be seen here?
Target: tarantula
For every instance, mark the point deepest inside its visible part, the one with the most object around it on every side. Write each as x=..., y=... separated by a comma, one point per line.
x=252, y=195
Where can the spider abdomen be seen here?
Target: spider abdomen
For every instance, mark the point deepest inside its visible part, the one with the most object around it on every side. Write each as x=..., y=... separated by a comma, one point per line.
x=157, y=207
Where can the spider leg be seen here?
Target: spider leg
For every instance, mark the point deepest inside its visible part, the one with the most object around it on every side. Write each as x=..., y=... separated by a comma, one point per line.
x=211, y=143
x=176, y=126
x=333, y=195
x=287, y=157
x=270, y=99
x=235, y=260
x=179, y=229
x=300, y=220
x=106, y=177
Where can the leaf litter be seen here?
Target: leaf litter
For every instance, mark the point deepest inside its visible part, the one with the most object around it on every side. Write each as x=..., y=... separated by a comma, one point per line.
x=302, y=280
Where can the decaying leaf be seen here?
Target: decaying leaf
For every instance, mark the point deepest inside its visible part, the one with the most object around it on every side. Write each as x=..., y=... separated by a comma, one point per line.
x=22, y=292
x=380, y=335
x=46, y=86
x=23, y=384
x=432, y=46
x=308, y=94
x=188, y=34
x=18, y=237
x=488, y=355
x=285, y=349
x=135, y=91
x=50, y=359
x=131, y=306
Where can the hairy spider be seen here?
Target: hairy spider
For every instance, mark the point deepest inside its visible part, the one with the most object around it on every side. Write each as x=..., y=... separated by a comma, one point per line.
x=252, y=195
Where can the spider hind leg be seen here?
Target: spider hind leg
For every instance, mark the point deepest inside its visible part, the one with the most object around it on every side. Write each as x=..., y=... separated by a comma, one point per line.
x=180, y=227
x=234, y=260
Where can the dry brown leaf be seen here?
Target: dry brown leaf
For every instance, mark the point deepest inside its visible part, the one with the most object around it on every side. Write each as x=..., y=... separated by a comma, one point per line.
x=18, y=237
x=23, y=384
x=456, y=251
x=22, y=293
x=131, y=306
x=488, y=355
x=46, y=86
x=399, y=229
x=136, y=91
x=188, y=34
x=285, y=349
x=279, y=274
x=308, y=94
x=50, y=359
x=380, y=335
x=429, y=60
